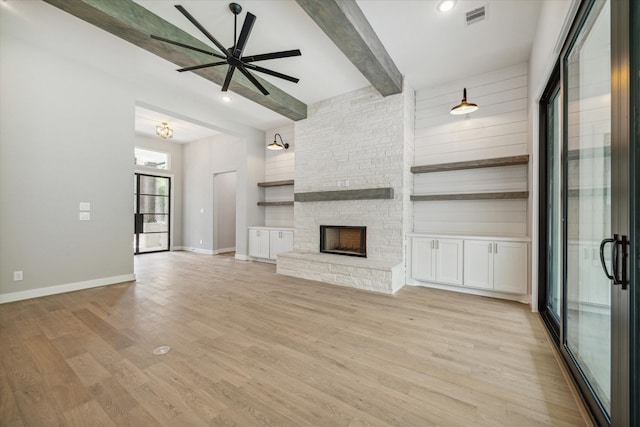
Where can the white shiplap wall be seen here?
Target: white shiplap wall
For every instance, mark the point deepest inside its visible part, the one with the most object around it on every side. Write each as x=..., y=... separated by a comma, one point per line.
x=497, y=129
x=279, y=166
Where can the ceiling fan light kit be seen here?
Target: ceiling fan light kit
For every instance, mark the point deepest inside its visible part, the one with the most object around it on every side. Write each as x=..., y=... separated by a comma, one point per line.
x=464, y=107
x=233, y=56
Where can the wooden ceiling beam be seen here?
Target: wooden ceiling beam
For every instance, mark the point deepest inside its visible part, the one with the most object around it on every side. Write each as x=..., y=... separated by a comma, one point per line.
x=345, y=24
x=133, y=23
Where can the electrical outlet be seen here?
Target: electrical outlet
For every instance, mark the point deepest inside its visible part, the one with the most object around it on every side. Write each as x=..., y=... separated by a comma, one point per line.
x=17, y=276
x=200, y=241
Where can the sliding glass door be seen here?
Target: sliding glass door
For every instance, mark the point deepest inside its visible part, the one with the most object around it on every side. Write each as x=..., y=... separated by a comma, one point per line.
x=586, y=194
x=587, y=78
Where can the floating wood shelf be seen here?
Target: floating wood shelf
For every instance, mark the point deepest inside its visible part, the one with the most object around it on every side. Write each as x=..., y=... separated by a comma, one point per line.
x=288, y=203
x=472, y=196
x=275, y=183
x=473, y=164
x=364, y=194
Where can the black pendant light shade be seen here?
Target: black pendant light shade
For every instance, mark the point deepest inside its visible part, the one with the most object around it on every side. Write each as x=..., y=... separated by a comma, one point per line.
x=464, y=107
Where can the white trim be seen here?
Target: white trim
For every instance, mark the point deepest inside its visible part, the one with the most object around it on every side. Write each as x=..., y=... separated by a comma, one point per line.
x=198, y=250
x=224, y=251
x=523, y=298
x=241, y=257
x=69, y=287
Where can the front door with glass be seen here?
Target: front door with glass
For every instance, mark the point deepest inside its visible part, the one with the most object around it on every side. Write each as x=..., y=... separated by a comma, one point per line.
x=152, y=213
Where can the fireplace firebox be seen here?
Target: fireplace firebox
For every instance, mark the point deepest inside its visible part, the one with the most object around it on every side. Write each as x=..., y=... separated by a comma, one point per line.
x=343, y=240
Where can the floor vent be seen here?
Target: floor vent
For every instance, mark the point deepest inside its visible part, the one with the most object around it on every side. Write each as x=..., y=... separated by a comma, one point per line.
x=476, y=15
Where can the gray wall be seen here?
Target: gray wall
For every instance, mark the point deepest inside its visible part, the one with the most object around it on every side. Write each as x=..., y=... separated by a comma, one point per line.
x=201, y=160
x=67, y=136
x=224, y=211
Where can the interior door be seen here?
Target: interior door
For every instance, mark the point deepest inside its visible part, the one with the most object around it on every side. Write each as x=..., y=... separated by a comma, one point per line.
x=152, y=213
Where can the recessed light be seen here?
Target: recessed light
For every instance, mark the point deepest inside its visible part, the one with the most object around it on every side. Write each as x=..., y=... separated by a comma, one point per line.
x=226, y=98
x=446, y=5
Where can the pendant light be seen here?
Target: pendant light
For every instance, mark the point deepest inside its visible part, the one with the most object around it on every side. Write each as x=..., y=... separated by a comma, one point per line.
x=464, y=107
x=275, y=145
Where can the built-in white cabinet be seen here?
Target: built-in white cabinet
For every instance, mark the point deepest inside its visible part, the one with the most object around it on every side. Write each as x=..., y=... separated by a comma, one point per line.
x=437, y=260
x=496, y=265
x=280, y=241
x=479, y=263
x=259, y=243
x=266, y=243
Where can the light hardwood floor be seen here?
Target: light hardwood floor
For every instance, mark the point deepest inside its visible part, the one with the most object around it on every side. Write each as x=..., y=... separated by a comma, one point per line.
x=251, y=348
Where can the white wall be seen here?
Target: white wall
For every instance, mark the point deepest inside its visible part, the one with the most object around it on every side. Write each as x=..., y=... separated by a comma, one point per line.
x=174, y=171
x=67, y=136
x=498, y=129
x=279, y=166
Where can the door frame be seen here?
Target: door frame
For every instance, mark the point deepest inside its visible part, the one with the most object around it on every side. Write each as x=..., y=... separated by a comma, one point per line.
x=625, y=184
x=553, y=86
x=170, y=246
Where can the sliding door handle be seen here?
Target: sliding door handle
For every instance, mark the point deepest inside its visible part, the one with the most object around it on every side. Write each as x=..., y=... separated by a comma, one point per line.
x=602, y=261
x=621, y=254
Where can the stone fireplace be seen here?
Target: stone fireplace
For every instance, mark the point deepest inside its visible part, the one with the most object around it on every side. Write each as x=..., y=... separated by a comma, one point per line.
x=343, y=240
x=353, y=172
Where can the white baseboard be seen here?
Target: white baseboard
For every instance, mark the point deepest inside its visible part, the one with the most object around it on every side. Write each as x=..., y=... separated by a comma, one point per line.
x=241, y=257
x=224, y=251
x=198, y=250
x=524, y=298
x=69, y=287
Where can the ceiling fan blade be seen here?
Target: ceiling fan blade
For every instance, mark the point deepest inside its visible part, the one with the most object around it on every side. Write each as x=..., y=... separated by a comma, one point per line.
x=162, y=39
x=197, y=67
x=253, y=80
x=249, y=20
x=202, y=29
x=227, y=80
x=273, y=55
x=272, y=73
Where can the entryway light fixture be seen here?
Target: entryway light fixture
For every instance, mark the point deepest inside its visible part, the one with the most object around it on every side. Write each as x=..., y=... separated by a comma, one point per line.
x=464, y=107
x=445, y=6
x=275, y=145
x=164, y=131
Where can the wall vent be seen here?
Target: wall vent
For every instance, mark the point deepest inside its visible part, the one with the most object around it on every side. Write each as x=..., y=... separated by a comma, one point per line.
x=476, y=15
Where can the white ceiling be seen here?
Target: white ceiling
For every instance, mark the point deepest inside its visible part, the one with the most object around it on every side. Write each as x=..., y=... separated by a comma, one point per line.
x=428, y=47
x=183, y=130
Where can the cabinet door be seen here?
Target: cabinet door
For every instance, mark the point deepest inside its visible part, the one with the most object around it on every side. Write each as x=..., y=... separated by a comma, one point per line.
x=449, y=261
x=422, y=258
x=478, y=264
x=280, y=241
x=510, y=267
x=287, y=241
x=258, y=243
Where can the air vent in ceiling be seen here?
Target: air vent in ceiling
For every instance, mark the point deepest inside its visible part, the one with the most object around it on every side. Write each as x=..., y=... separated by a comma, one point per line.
x=475, y=15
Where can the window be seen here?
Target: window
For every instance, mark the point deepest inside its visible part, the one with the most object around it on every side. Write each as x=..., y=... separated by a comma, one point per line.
x=152, y=159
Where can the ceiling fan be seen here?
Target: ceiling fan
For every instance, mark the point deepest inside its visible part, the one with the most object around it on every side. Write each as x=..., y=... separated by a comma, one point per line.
x=233, y=55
